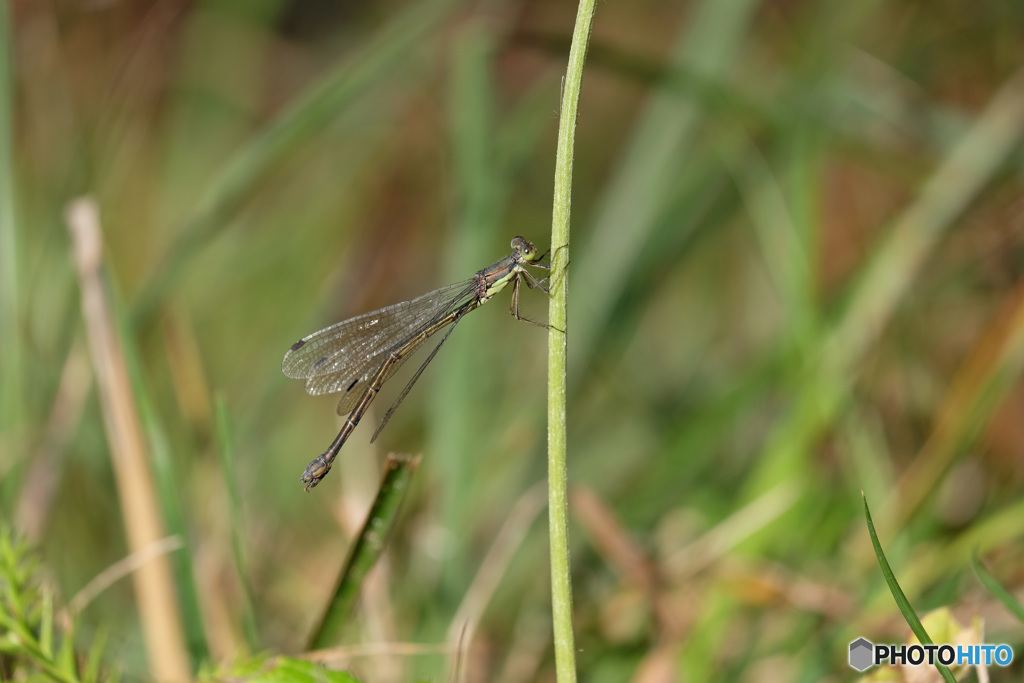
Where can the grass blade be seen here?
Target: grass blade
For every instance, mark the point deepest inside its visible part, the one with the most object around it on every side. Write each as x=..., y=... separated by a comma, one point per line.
x=11, y=377
x=154, y=585
x=897, y=593
x=368, y=546
x=996, y=589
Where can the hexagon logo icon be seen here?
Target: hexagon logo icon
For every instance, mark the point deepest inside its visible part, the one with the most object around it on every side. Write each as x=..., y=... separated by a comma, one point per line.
x=861, y=654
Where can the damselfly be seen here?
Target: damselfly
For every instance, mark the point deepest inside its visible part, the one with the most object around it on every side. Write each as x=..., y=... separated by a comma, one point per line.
x=357, y=356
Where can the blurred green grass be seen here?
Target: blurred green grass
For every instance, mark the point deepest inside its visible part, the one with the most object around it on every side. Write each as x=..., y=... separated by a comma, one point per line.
x=742, y=174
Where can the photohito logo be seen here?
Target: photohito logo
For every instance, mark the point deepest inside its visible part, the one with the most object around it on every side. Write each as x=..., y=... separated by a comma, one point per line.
x=865, y=654
x=861, y=654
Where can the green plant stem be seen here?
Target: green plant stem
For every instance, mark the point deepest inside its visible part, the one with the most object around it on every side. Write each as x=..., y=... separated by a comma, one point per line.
x=561, y=582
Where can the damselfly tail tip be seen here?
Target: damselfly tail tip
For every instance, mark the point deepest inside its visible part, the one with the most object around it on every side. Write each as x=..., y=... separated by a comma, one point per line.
x=315, y=471
x=309, y=481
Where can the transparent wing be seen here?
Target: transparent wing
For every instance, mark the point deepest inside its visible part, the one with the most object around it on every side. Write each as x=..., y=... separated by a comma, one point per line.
x=354, y=392
x=408, y=387
x=346, y=355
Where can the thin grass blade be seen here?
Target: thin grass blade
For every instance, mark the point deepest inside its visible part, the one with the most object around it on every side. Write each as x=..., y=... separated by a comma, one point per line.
x=996, y=589
x=154, y=585
x=368, y=546
x=897, y=593
x=10, y=339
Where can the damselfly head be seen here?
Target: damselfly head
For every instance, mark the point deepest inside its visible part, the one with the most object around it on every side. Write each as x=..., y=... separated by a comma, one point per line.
x=523, y=250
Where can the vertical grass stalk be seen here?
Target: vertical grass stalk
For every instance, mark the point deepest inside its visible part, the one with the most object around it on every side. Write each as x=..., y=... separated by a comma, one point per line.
x=10, y=339
x=159, y=616
x=561, y=584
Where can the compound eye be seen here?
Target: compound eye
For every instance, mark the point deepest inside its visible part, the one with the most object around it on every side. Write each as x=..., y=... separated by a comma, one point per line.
x=523, y=248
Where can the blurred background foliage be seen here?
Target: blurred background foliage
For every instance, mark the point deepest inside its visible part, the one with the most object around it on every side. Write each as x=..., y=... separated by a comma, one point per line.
x=796, y=274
